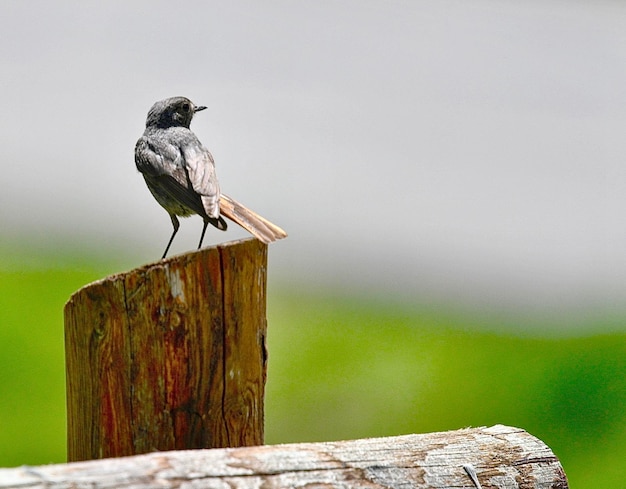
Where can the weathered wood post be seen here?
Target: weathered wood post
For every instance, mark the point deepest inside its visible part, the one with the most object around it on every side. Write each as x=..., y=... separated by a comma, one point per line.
x=169, y=356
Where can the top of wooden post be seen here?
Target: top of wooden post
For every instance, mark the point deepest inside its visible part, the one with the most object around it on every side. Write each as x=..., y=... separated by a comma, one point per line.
x=170, y=355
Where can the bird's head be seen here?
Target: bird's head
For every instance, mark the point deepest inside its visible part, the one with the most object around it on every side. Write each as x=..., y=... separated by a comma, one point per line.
x=172, y=112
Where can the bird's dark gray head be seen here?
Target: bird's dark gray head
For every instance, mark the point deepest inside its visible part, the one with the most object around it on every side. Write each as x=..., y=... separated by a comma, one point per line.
x=171, y=112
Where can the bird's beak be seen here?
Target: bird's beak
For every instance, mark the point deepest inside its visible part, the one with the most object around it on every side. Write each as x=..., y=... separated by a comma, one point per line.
x=199, y=108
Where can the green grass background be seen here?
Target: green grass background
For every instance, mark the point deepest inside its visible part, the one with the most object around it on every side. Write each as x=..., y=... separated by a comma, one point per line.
x=344, y=367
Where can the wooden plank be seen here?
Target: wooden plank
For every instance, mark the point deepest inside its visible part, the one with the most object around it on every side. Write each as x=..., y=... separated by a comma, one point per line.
x=500, y=456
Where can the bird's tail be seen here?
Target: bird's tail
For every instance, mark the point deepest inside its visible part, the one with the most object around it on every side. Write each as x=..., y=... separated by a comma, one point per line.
x=260, y=227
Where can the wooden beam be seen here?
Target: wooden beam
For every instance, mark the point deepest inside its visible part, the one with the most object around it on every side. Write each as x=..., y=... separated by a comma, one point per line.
x=479, y=458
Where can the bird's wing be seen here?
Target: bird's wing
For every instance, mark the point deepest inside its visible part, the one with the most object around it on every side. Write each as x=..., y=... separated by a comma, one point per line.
x=201, y=171
x=162, y=166
x=155, y=157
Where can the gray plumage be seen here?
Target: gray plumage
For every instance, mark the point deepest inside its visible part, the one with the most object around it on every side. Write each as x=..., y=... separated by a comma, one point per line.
x=180, y=173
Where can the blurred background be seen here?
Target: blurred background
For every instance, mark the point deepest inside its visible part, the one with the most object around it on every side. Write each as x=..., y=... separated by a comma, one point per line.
x=451, y=175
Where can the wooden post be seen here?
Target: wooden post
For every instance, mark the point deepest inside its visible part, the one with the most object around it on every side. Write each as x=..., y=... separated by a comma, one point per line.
x=169, y=356
x=500, y=456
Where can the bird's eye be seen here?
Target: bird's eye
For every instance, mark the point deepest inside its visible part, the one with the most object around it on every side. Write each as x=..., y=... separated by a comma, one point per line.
x=186, y=107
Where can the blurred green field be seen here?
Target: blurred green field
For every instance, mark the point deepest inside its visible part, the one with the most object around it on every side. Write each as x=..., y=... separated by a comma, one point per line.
x=343, y=367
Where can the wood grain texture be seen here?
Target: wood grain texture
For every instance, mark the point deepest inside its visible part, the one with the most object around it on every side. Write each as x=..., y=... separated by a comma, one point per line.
x=502, y=457
x=169, y=356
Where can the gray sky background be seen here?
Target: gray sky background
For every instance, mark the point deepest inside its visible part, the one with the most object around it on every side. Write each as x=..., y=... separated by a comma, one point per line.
x=448, y=150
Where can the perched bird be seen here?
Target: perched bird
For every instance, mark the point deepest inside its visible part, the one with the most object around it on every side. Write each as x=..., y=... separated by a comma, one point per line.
x=180, y=173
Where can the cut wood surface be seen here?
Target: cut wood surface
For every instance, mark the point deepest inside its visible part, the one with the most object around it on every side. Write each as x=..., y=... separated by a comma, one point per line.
x=496, y=457
x=169, y=356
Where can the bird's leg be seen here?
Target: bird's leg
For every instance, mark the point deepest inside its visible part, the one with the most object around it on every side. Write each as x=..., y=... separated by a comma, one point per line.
x=176, y=225
x=206, y=223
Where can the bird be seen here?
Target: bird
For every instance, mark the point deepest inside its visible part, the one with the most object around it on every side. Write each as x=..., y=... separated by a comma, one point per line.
x=180, y=173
